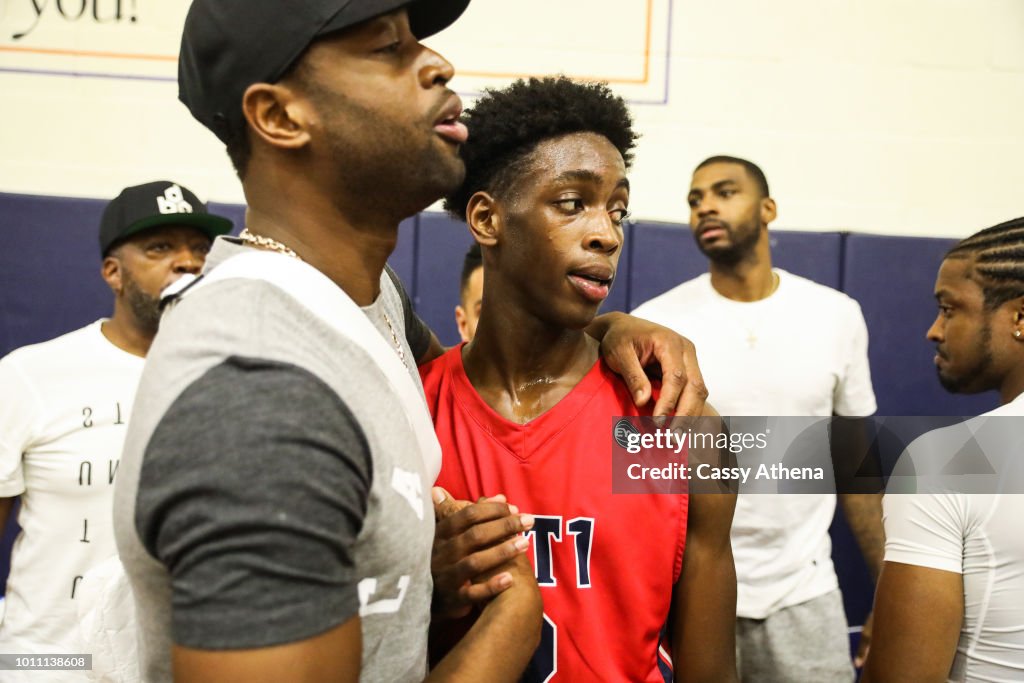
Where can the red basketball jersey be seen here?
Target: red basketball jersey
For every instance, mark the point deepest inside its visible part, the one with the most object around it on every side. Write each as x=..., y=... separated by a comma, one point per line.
x=606, y=564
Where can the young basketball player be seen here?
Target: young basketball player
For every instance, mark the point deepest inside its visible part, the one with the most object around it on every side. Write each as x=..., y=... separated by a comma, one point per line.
x=525, y=408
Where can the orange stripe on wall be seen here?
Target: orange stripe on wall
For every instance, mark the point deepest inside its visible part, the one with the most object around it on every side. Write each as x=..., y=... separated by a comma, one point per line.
x=88, y=53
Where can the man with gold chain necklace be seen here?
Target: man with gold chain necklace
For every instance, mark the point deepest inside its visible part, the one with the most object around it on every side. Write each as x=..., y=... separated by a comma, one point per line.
x=274, y=508
x=773, y=343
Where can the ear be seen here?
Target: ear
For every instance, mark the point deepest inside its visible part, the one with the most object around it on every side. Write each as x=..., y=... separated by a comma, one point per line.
x=111, y=271
x=278, y=115
x=483, y=219
x=768, y=210
x=1018, y=320
x=460, y=322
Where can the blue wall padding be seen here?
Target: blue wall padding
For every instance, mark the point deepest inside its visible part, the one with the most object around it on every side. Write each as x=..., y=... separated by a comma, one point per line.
x=403, y=258
x=49, y=268
x=893, y=278
x=50, y=284
x=665, y=254
x=441, y=245
x=233, y=212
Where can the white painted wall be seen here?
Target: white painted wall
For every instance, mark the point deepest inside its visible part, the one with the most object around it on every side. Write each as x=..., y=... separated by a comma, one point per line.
x=888, y=116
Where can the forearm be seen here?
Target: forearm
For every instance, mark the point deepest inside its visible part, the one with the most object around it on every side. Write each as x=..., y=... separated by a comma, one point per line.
x=499, y=645
x=704, y=625
x=863, y=512
x=5, y=512
x=704, y=600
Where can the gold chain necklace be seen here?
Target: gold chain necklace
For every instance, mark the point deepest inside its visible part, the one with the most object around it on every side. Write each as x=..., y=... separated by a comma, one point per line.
x=394, y=338
x=267, y=243
x=262, y=242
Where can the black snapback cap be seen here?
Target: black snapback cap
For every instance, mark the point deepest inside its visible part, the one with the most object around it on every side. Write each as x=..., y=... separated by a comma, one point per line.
x=228, y=45
x=154, y=205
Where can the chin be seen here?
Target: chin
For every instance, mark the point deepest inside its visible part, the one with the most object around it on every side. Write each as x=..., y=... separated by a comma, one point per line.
x=726, y=255
x=962, y=385
x=569, y=318
x=446, y=177
x=582, y=320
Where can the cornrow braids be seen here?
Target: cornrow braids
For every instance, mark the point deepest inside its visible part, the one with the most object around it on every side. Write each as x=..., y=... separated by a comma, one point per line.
x=998, y=260
x=505, y=127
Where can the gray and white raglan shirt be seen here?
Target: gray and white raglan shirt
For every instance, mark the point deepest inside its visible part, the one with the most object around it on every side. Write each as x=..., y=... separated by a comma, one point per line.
x=264, y=492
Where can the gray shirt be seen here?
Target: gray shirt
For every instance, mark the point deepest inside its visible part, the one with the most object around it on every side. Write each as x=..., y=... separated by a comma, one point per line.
x=267, y=493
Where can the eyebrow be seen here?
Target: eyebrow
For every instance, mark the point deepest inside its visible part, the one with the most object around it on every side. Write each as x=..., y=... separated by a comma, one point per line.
x=588, y=176
x=716, y=186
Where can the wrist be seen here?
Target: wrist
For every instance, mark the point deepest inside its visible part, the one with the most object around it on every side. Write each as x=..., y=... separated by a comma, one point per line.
x=523, y=594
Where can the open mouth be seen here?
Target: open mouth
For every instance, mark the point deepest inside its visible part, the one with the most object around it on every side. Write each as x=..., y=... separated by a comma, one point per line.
x=593, y=283
x=603, y=281
x=711, y=230
x=449, y=126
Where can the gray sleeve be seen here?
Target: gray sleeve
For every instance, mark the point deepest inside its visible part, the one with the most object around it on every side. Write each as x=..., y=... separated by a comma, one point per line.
x=253, y=490
x=416, y=331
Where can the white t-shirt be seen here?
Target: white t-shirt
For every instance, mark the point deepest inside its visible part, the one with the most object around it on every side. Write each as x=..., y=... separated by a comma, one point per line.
x=973, y=534
x=64, y=405
x=801, y=351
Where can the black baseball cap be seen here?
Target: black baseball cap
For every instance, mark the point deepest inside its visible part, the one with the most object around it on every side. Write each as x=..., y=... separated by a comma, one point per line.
x=228, y=45
x=154, y=205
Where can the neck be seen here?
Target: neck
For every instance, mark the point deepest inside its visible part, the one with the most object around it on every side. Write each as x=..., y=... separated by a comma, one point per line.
x=126, y=334
x=751, y=279
x=521, y=365
x=347, y=244
x=1013, y=385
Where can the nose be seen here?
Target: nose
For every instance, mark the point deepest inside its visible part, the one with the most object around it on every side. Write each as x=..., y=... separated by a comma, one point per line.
x=934, y=333
x=705, y=207
x=436, y=70
x=604, y=236
x=188, y=260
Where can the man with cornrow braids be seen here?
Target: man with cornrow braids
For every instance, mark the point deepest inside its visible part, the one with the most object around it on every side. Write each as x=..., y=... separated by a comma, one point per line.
x=950, y=600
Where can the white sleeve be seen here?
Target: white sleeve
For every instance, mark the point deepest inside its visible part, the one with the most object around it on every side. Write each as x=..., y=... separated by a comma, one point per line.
x=853, y=394
x=647, y=312
x=925, y=529
x=17, y=423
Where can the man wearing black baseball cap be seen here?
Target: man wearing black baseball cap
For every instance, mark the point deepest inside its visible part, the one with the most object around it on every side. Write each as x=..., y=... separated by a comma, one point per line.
x=150, y=236
x=158, y=204
x=64, y=404
x=273, y=508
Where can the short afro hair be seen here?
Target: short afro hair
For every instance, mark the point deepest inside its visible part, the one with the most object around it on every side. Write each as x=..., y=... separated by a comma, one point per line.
x=753, y=170
x=505, y=126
